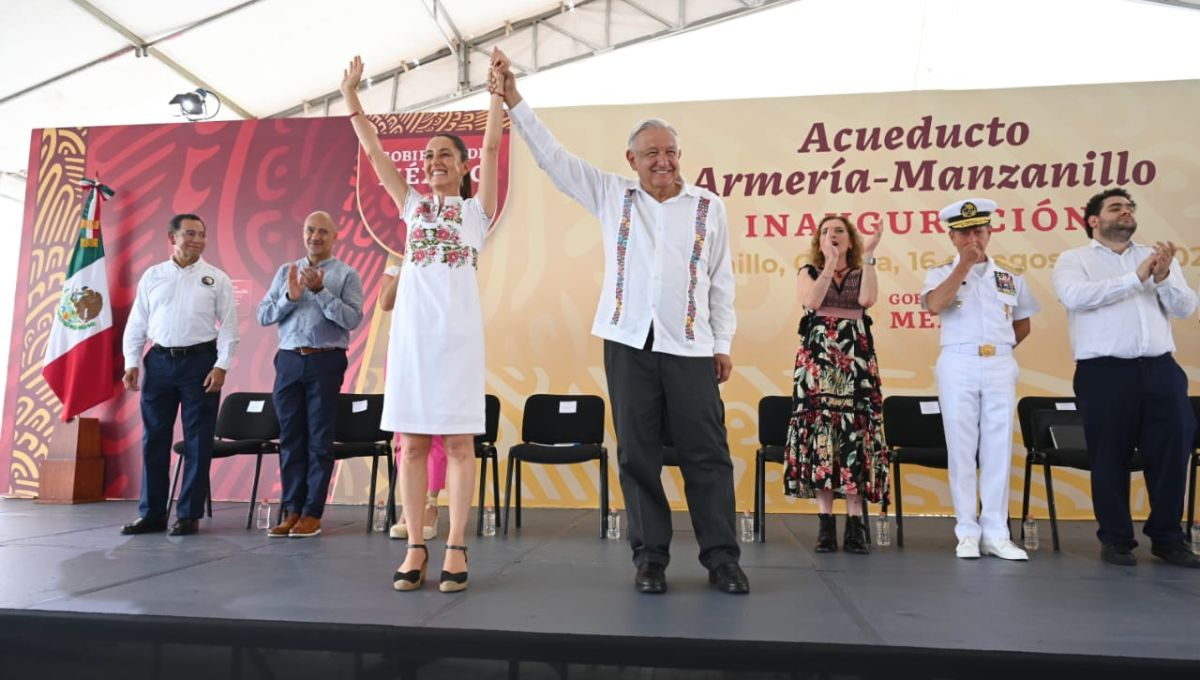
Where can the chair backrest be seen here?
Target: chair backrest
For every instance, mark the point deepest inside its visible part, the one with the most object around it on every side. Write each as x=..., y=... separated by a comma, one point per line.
x=491, y=420
x=1028, y=405
x=563, y=419
x=910, y=421
x=774, y=414
x=1053, y=429
x=357, y=419
x=247, y=415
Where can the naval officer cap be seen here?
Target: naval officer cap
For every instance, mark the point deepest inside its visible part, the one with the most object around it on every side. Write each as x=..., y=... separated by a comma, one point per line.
x=968, y=213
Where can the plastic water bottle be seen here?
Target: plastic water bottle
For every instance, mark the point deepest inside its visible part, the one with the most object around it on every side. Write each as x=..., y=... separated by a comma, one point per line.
x=1031, y=535
x=883, y=530
x=614, y=524
x=1196, y=539
x=489, y=521
x=262, y=519
x=380, y=523
x=746, y=527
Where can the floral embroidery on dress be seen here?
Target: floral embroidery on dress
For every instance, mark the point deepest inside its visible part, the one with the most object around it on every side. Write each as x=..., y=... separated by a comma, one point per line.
x=434, y=238
x=622, y=246
x=693, y=265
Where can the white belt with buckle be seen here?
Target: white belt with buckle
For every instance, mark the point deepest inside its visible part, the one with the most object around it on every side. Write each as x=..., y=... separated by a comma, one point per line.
x=978, y=350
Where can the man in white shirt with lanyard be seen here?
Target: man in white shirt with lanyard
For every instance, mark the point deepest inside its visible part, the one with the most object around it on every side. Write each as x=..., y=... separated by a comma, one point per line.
x=1119, y=296
x=985, y=312
x=185, y=307
x=667, y=320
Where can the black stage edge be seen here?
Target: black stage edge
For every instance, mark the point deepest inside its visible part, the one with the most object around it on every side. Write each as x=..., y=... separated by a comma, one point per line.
x=553, y=601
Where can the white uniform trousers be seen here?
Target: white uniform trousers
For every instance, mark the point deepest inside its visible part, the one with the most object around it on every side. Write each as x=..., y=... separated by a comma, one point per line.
x=978, y=396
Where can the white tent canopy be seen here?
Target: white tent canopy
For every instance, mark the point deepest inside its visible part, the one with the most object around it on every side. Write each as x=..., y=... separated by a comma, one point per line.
x=98, y=62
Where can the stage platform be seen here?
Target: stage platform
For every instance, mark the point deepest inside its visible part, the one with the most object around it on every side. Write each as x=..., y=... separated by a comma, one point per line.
x=554, y=600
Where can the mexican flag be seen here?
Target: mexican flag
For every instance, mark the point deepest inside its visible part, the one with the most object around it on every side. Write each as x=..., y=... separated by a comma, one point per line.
x=79, y=356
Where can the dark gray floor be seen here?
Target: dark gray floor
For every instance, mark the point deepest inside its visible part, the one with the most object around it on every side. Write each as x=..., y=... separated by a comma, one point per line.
x=555, y=577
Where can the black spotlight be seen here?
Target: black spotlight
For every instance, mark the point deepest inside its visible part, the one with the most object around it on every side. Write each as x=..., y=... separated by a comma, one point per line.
x=194, y=105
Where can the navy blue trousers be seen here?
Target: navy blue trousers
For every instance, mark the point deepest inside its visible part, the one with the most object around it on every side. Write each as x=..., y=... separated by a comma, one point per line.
x=172, y=382
x=1136, y=404
x=306, y=392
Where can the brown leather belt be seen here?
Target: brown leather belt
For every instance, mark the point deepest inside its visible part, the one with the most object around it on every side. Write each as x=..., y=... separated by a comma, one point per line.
x=305, y=351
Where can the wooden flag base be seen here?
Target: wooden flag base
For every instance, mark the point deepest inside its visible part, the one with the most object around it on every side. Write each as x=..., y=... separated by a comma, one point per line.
x=74, y=470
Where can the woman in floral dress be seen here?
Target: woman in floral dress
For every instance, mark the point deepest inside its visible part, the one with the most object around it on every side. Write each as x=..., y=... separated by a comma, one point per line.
x=835, y=446
x=435, y=370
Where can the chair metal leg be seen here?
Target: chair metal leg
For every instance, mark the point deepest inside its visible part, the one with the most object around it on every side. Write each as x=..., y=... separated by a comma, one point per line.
x=254, y=493
x=482, y=488
x=208, y=500
x=866, y=518
x=1053, y=510
x=518, y=500
x=899, y=505
x=174, y=484
x=1025, y=494
x=760, y=492
x=391, y=502
x=508, y=479
x=371, y=505
x=1191, y=516
x=603, y=495
x=495, y=478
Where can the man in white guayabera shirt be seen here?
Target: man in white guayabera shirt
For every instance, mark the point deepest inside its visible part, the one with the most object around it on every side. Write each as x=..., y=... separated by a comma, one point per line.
x=1119, y=295
x=666, y=317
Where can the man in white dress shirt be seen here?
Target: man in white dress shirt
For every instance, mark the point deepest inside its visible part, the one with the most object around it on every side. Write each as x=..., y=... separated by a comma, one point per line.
x=667, y=320
x=185, y=307
x=1119, y=296
x=985, y=311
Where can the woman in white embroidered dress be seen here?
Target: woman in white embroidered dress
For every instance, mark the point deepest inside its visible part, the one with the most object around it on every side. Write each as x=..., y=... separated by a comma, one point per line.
x=435, y=369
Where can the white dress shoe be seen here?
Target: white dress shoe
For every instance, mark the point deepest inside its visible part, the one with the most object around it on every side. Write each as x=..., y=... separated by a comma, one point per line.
x=1005, y=550
x=968, y=549
x=399, y=530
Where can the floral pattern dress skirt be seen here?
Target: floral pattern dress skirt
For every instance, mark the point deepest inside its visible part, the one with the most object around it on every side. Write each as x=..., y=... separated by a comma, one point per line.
x=835, y=441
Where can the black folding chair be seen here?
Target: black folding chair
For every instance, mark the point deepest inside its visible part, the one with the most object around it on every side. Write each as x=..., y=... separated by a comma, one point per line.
x=356, y=434
x=773, y=416
x=915, y=437
x=485, y=452
x=559, y=429
x=1052, y=432
x=246, y=425
x=1195, y=463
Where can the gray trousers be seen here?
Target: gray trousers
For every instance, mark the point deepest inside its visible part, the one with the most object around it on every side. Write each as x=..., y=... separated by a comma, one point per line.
x=651, y=392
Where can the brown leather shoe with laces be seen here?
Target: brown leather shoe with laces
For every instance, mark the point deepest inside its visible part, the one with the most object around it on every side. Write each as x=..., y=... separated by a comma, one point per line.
x=285, y=525
x=307, y=526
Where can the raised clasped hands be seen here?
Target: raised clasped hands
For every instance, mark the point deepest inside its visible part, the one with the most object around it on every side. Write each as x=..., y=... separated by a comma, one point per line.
x=501, y=81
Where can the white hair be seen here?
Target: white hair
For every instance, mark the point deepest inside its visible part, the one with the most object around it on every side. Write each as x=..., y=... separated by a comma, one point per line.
x=651, y=124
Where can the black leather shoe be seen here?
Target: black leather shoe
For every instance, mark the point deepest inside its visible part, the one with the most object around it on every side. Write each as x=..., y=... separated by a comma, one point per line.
x=855, y=538
x=185, y=527
x=1117, y=554
x=1176, y=554
x=651, y=578
x=144, y=525
x=729, y=578
x=826, y=534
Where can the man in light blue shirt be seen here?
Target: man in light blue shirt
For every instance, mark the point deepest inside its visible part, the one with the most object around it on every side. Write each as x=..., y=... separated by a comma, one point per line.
x=316, y=301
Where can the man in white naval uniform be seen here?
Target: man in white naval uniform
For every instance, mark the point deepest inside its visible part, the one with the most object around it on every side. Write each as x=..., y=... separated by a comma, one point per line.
x=985, y=311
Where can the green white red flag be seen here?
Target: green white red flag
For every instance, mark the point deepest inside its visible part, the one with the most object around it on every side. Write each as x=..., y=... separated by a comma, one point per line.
x=78, y=365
